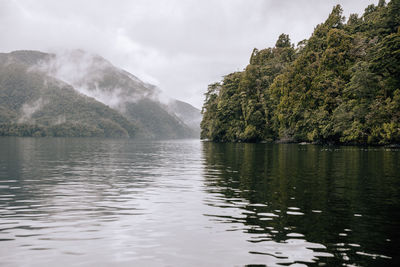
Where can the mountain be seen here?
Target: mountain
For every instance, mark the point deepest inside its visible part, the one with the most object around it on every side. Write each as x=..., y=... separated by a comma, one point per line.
x=35, y=104
x=77, y=87
x=342, y=85
x=94, y=76
x=153, y=117
x=190, y=115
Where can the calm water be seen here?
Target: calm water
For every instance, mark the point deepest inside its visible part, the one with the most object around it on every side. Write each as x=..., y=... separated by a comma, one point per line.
x=102, y=202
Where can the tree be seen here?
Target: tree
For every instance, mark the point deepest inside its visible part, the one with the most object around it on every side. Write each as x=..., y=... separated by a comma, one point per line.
x=341, y=85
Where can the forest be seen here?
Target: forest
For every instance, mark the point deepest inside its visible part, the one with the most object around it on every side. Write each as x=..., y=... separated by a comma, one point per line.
x=340, y=86
x=36, y=102
x=32, y=104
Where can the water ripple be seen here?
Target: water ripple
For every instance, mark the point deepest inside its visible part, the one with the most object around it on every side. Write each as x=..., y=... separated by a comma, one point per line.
x=121, y=202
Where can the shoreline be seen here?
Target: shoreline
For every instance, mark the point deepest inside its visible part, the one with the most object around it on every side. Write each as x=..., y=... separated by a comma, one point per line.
x=394, y=145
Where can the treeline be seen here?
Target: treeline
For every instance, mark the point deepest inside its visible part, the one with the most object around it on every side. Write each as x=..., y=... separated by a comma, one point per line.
x=67, y=129
x=342, y=85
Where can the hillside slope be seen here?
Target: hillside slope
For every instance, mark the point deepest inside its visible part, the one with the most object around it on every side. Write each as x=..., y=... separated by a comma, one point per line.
x=190, y=115
x=94, y=76
x=32, y=103
x=79, y=90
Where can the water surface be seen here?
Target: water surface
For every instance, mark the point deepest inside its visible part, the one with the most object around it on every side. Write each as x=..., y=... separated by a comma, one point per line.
x=102, y=202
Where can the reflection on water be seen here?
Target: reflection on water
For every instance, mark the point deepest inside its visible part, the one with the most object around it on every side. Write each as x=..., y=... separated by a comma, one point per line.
x=309, y=204
x=187, y=203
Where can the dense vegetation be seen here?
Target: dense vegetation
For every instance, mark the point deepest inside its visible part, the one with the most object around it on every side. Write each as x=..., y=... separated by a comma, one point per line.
x=342, y=85
x=43, y=95
x=32, y=104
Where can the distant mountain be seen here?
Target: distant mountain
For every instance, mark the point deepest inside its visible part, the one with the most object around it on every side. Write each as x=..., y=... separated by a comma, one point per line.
x=190, y=115
x=89, y=77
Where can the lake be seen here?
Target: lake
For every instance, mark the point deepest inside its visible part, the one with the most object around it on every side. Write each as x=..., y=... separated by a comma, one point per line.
x=102, y=202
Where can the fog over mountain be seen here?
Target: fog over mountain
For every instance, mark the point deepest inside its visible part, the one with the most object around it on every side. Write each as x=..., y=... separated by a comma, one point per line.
x=32, y=88
x=92, y=75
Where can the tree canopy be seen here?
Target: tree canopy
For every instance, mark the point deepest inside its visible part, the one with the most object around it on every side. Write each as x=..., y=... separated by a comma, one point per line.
x=342, y=85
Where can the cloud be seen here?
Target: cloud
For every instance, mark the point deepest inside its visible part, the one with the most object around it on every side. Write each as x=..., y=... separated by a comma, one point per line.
x=95, y=77
x=178, y=45
x=28, y=109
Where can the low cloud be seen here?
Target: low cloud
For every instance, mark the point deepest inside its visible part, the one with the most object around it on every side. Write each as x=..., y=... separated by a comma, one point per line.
x=93, y=76
x=28, y=109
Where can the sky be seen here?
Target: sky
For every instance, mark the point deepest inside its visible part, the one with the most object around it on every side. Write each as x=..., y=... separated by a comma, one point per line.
x=180, y=46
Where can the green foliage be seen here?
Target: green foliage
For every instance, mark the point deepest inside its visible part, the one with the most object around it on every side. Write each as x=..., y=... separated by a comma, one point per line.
x=33, y=104
x=283, y=41
x=240, y=108
x=341, y=85
x=67, y=129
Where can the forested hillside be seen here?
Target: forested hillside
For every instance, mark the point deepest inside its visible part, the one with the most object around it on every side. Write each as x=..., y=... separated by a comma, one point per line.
x=80, y=94
x=342, y=85
x=33, y=104
x=96, y=77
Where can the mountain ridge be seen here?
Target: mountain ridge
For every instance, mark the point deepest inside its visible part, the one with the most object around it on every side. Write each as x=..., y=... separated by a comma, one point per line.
x=90, y=77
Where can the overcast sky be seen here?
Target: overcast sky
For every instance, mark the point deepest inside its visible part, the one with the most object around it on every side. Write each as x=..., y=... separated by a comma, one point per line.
x=179, y=45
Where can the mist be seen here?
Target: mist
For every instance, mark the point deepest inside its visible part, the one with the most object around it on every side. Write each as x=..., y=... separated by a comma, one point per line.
x=94, y=76
x=28, y=109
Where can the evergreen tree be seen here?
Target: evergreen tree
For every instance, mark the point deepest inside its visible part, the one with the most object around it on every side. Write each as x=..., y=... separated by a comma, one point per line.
x=342, y=85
